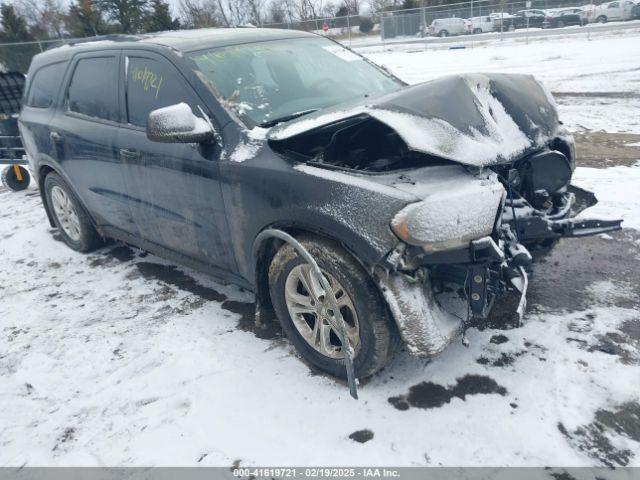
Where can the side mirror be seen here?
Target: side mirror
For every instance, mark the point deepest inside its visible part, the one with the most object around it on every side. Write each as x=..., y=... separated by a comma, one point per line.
x=177, y=124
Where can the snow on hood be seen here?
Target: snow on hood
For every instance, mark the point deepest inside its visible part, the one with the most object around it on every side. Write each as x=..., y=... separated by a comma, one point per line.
x=473, y=119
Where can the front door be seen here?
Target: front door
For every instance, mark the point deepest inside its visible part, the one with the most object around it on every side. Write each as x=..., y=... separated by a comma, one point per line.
x=174, y=189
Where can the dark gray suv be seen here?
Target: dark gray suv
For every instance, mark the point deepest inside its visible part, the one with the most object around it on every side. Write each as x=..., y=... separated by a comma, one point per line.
x=189, y=144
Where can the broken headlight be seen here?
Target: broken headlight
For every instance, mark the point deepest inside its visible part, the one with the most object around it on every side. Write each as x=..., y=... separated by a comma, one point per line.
x=450, y=218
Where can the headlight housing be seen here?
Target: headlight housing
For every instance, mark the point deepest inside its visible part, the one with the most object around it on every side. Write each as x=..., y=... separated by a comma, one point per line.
x=450, y=218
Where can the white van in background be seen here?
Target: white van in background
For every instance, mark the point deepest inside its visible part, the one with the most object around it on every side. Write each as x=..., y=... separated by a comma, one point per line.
x=617, y=10
x=481, y=24
x=443, y=27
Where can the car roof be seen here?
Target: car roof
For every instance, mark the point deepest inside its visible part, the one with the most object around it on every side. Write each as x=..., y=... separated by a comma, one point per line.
x=180, y=40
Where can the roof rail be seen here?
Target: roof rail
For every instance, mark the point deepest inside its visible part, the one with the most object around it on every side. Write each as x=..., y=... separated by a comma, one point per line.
x=114, y=37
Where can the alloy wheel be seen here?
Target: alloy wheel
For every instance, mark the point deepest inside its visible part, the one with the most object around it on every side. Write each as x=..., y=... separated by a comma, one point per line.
x=313, y=317
x=65, y=213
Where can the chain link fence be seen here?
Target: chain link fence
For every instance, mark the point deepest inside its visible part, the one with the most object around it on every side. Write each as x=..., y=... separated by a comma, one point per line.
x=16, y=57
x=367, y=29
x=414, y=22
x=342, y=28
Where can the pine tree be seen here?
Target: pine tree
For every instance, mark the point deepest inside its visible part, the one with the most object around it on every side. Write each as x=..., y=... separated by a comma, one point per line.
x=14, y=29
x=84, y=20
x=159, y=18
x=129, y=14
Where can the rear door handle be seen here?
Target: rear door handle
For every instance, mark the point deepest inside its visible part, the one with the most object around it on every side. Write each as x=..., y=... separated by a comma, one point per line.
x=55, y=136
x=129, y=153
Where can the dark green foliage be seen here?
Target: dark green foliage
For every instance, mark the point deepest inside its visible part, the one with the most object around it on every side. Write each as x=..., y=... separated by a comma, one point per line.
x=14, y=29
x=84, y=20
x=159, y=18
x=366, y=25
x=129, y=14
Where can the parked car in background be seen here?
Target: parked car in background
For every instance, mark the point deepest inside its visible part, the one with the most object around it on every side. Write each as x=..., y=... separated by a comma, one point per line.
x=502, y=21
x=565, y=17
x=613, y=11
x=481, y=24
x=589, y=12
x=529, y=18
x=443, y=27
x=635, y=11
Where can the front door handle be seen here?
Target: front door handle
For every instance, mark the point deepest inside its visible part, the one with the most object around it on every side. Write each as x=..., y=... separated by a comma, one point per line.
x=55, y=136
x=129, y=153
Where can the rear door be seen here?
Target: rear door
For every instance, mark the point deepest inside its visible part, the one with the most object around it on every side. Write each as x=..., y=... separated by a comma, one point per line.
x=84, y=131
x=173, y=188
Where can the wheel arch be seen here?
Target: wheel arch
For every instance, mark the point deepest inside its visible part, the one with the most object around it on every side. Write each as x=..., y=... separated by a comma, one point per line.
x=265, y=250
x=45, y=169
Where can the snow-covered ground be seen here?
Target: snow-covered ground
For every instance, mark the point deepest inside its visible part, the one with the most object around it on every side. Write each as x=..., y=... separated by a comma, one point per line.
x=596, y=82
x=120, y=358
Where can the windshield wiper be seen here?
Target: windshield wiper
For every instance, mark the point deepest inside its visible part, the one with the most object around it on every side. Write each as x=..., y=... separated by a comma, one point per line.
x=286, y=118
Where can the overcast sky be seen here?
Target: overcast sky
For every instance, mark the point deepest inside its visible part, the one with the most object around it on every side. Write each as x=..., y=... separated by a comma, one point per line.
x=174, y=4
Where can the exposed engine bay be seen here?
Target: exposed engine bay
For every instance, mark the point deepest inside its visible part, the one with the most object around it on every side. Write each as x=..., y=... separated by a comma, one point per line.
x=357, y=143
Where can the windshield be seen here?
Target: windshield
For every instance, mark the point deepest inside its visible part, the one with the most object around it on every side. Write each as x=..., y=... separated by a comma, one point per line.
x=266, y=81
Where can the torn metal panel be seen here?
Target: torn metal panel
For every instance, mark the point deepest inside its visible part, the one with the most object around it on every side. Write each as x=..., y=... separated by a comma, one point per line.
x=490, y=121
x=424, y=326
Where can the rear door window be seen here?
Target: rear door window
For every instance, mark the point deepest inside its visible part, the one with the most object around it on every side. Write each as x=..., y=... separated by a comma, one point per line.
x=45, y=85
x=93, y=90
x=151, y=84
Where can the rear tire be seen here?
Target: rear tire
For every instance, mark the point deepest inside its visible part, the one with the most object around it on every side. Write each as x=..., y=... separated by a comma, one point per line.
x=73, y=222
x=601, y=19
x=11, y=180
x=377, y=336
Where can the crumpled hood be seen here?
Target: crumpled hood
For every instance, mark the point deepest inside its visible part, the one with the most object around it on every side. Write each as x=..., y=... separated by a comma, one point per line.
x=472, y=119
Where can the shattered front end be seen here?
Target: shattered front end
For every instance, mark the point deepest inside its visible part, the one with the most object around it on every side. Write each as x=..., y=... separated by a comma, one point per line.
x=471, y=243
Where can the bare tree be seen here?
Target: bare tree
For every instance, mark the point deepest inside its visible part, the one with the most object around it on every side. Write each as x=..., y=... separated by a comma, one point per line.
x=277, y=12
x=200, y=13
x=238, y=12
x=256, y=9
x=46, y=17
x=352, y=6
x=380, y=5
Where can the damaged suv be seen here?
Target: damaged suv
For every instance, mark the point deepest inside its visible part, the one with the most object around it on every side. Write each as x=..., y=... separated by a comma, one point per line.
x=421, y=204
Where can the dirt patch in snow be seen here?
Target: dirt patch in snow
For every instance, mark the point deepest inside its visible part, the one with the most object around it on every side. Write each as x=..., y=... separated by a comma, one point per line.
x=119, y=253
x=594, y=438
x=562, y=278
x=602, y=150
x=361, y=436
x=623, y=343
x=431, y=395
x=498, y=339
x=175, y=277
x=502, y=360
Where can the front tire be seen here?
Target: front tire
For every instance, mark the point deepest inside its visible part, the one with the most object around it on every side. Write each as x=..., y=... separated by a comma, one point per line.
x=444, y=33
x=72, y=221
x=601, y=19
x=303, y=316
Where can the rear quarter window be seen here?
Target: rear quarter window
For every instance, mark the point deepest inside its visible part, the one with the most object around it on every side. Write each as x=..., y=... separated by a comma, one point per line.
x=93, y=88
x=45, y=85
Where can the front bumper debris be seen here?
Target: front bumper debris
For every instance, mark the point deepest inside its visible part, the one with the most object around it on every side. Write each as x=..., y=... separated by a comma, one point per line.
x=490, y=267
